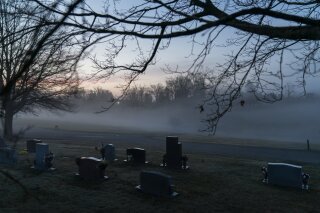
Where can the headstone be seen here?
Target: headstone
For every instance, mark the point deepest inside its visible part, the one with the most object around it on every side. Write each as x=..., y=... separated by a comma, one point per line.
x=285, y=174
x=31, y=145
x=136, y=155
x=91, y=168
x=44, y=157
x=109, y=152
x=156, y=183
x=8, y=155
x=173, y=152
x=2, y=143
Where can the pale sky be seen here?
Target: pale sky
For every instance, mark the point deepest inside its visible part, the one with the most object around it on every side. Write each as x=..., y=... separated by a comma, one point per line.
x=176, y=55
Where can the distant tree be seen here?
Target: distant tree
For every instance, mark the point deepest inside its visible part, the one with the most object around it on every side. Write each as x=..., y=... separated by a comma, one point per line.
x=160, y=93
x=37, y=61
x=180, y=87
x=137, y=96
x=187, y=86
x=99, y=95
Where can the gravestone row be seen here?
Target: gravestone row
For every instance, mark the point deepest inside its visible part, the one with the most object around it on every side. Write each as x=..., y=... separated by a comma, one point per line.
x=152, y=182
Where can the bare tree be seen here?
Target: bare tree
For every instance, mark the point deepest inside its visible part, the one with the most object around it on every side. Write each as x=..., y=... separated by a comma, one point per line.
x=37, y=61
x=271, y=40
x=160, y=93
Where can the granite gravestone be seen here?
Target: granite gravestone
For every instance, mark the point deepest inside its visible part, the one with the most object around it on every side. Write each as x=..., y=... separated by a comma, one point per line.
x=156, y=183
x=2, y=143
x=136, y=155
x=109, y=152
x=91, y=168
x=285, y=175
x=173, y=152
x=31, y=145
x=8, y=155
x=44, y=157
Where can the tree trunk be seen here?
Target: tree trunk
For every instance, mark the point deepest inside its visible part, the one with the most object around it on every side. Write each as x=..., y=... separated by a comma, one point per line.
x=8, y=122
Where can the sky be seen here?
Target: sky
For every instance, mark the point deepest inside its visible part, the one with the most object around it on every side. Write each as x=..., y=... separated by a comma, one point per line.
x=175, y=55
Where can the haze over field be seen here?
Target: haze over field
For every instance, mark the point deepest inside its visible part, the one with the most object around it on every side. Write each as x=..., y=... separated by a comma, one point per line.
x=293, y=120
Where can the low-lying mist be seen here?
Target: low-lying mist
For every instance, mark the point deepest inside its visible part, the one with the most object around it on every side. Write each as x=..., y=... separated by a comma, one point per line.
x=289, y=120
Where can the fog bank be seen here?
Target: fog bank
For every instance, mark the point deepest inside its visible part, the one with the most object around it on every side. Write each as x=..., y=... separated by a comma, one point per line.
x=294, y=121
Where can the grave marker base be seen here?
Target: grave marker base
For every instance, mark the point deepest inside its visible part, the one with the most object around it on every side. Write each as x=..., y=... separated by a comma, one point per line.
x=135, y=162
x=104, y=177
x=183, y=168
x=174, y=194
x=43, y=169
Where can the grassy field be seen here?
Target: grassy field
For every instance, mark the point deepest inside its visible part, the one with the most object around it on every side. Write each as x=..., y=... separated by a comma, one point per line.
x=213, y=184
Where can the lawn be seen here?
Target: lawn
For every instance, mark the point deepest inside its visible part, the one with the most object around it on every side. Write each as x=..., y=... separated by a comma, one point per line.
x=213, y=184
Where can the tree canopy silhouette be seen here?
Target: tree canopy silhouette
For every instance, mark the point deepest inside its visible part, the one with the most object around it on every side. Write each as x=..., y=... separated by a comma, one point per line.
x=37, y=61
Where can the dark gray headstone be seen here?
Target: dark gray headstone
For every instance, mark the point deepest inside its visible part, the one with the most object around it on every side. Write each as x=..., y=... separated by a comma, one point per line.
x=8, y=155
x=31, y=145
x=109, y=151
x=156, y=183
x=173, y=152
x=136, y=155
x=285, y=174
x=91, y=168
x=2, y=143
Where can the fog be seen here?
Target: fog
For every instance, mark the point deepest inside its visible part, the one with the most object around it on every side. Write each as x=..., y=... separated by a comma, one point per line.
x=290, y=120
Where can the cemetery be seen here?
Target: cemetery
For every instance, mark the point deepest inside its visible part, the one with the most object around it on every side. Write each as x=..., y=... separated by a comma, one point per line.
x=208, y=184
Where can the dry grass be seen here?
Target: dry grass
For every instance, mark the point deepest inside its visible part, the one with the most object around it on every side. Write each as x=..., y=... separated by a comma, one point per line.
x=213, y=184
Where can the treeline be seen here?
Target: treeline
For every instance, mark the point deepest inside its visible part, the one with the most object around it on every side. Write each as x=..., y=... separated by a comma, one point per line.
x=174, y=90
x=177, y=90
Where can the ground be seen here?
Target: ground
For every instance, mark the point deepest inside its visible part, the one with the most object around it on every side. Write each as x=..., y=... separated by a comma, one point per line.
x=213, y=184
